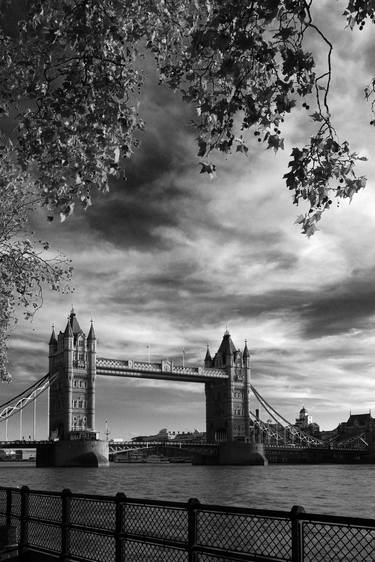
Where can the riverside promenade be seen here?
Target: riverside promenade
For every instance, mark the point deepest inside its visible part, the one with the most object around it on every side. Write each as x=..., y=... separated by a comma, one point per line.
x=46, y=526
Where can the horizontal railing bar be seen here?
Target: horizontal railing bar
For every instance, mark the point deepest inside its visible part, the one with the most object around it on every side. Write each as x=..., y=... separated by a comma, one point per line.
x=50, y=522
x=179, y=506
x=43, y=549
x=137, y=501
x=337, y=520
x=180, y=545
x=271, y=514
x=17, y=490
x=93, y=530
x=77, y=558
x=237, y=555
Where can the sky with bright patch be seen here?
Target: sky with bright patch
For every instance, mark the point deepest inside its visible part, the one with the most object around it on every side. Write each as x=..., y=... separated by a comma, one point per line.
x=169, y=258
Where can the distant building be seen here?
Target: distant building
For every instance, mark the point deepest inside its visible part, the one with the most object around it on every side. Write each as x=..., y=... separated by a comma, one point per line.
x=304, y=423
x=304, y=419
x=166, y=435
x=162, y=435
x=190, y=436
x=356, y=424
x=7, y=454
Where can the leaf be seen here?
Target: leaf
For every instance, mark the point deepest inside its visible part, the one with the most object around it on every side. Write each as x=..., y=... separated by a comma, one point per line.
x=207, y=168
x=316, y=116
x=275, y=142
x=242, y=148
x=202, y=147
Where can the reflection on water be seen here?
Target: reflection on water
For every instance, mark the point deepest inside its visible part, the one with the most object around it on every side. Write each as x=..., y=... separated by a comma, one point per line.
x=335, y=489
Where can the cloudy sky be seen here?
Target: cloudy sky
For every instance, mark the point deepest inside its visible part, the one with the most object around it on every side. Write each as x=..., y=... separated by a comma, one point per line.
x=169, y=258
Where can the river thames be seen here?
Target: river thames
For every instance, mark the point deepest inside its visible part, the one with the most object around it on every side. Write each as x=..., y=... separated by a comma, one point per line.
x=331, y=489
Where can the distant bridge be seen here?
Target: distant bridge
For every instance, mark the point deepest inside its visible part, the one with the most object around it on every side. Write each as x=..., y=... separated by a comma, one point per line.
x=235, y=409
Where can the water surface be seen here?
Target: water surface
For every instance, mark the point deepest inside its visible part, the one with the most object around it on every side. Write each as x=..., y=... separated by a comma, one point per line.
x=334, y=489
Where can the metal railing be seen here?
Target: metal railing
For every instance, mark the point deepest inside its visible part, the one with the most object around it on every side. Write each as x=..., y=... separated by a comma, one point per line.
x=84, y=527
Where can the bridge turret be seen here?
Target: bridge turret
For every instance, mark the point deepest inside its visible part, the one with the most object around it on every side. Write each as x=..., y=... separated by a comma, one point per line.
x=208, y=358
x=67, y=378
x=227, y=402
x=225, y=355
x=91, y=338
x=91, y=372
x=52, y=343
x=246, y=356
x=68, y=336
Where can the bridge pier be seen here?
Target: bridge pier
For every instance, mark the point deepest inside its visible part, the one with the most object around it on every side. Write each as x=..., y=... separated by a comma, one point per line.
x=78, y=452
x=235, y=453
x=240, y=453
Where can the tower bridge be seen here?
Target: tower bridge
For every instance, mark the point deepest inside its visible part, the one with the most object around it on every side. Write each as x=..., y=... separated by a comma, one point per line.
x=236, y=434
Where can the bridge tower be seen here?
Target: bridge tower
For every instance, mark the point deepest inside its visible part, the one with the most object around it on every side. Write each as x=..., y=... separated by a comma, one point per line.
x=227, y=401
x=72, y=394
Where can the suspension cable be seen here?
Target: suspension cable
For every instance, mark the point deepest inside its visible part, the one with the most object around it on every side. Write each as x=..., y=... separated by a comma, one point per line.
x=37, y=383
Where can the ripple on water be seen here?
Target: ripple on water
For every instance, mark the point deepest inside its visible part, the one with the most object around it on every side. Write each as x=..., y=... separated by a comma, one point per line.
x=335, y=489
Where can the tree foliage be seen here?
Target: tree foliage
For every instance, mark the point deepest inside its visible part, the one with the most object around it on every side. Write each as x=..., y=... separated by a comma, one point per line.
x=25, y=264
x=71, y=73
x=70, y=78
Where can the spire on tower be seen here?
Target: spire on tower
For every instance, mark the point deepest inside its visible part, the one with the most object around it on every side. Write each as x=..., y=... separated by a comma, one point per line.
x=68, y=330
x=91, y=335
x=208, y=358
x=246, y=352
x=227, y=347
x=74, y=323
x=53, y=338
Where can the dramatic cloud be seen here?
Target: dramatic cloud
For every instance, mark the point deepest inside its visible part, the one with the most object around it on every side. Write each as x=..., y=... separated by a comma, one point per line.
x=168, y=258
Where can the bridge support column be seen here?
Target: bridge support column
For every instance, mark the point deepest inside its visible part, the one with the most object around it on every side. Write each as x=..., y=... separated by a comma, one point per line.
x=72, y=361
x=227, y=401
x=234, y=453
x=80, y=452
x=237, y=453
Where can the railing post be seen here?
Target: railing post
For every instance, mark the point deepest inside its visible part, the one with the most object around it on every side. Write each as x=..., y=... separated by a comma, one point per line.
x=66, y=500
x=120, y=526
x=9, y=508
x=24, y=518
x=297, y=533
x=192, y=507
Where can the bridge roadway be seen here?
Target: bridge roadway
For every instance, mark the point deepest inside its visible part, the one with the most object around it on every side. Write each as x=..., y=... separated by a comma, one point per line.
x=166, y=370
x=132, y=445
x=281, y=454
